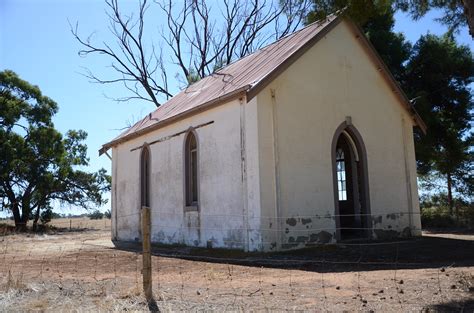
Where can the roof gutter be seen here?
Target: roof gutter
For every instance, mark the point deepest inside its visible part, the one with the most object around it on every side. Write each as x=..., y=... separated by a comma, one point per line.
x=198, y=109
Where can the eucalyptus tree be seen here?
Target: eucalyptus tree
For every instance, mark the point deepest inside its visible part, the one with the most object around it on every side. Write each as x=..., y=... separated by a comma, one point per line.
x=39, y=165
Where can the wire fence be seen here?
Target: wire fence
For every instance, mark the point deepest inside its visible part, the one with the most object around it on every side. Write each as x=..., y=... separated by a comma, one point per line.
x=79, y=267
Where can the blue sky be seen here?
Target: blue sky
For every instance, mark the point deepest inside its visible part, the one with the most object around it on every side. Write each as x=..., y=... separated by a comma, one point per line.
x=36, y=43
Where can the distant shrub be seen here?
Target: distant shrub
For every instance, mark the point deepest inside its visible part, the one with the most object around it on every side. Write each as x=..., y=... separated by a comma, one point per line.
x=436, y=217
x=96, y=215
x=47, y=215
x=107, y=214
x=435, y=213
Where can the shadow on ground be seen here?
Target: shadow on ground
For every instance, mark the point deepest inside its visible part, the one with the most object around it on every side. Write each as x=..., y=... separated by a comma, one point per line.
x=418, y=253
x=466, y=305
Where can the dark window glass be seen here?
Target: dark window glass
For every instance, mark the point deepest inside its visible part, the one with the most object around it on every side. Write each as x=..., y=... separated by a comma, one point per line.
x=191, y=170
x=145, y=177
x=341, y=175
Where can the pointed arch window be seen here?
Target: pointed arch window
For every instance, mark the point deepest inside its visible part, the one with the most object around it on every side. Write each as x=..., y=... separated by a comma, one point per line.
x=191, y=170
x=145, y=176
x=341, y=175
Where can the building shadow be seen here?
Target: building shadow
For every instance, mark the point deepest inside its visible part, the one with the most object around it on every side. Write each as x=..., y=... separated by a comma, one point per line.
x=466, y=305
x=417, y=253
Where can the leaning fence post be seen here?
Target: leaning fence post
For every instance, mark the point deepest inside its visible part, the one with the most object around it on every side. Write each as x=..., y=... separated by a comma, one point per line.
x=146, y=253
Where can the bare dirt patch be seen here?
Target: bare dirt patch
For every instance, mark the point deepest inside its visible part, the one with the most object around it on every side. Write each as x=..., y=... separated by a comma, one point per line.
x=84, y=271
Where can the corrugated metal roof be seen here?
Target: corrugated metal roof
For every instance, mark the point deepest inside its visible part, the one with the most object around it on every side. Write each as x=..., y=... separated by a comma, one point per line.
x=240, y=75
x=249, y=75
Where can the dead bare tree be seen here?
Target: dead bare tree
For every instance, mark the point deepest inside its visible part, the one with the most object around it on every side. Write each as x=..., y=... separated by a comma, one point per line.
x=201, y=39
x=135, y=68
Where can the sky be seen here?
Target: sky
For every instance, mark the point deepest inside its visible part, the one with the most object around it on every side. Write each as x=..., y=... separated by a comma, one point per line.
x=36, y=42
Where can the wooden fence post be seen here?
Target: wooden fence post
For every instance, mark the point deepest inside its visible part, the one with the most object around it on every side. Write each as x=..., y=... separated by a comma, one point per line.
x=146, y=253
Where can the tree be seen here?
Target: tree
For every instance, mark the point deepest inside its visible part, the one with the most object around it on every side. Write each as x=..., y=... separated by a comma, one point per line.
x=359, y=10
x=456, y=13
x=108, y=214
x=438, y=76
x=199, y=39
x=38, y=164
x=391, y=46
x=96, y=215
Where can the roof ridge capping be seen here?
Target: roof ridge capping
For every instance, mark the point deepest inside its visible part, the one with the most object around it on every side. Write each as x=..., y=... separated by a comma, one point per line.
x=318, y=23
x=251, y=89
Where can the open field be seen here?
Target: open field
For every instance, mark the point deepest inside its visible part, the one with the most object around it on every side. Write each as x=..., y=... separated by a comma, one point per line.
x=82, y=271
x=76, y=223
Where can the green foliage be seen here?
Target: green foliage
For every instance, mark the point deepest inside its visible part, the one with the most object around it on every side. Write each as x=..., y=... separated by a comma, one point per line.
x=39, y=165
x=47, y=215
x=436, y=213
x=435, y=217
x=192, y=77
x=108, y=214
x=359, y=10
x=96, y=215
x=391, y=46
x=438, y=76
x=455, y=14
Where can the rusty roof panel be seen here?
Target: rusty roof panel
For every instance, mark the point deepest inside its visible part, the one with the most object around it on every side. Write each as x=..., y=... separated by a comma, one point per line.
x=241, y=74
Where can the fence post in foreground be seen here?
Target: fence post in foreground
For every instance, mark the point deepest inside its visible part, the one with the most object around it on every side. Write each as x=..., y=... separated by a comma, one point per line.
x=146, y=253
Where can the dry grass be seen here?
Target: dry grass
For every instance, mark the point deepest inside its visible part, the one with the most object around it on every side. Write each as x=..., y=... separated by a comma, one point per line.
x=61, y=224
x=83, y=272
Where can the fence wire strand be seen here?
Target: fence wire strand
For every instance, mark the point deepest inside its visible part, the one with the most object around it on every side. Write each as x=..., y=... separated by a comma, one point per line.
x=82, y=265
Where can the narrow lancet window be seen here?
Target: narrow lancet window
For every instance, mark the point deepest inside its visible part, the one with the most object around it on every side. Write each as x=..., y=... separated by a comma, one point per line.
x=191, y=170
x=145, y=176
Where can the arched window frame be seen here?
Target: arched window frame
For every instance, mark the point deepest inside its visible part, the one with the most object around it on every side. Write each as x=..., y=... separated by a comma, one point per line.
x=145, y=172
x=191, y=171
x=355, y=139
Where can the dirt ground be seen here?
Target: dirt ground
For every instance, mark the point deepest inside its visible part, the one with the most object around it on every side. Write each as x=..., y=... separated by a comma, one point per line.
x=82, y=271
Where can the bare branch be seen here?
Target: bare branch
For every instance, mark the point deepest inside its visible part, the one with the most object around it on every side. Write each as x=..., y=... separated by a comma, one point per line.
x=130, y=58
x=198, y=42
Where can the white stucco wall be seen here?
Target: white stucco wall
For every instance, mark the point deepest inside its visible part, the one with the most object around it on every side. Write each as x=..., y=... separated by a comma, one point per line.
x=265, y=171
x=224, y=197
x=333, y=80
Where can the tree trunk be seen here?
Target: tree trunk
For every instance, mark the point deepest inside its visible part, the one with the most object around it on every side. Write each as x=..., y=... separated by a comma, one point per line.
x=35, y=222
x=25, y=215
x=469, y=12
x=16, y=214
x=20, y=220
x=450, y=194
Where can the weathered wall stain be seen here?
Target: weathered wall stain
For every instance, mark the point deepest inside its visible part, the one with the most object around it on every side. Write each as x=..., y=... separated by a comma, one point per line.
x=234, y=238
x=291, y=221
x=406, y=232
x=392, y=216
x=377, y=220
x=302, y=239
x=321, y=237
